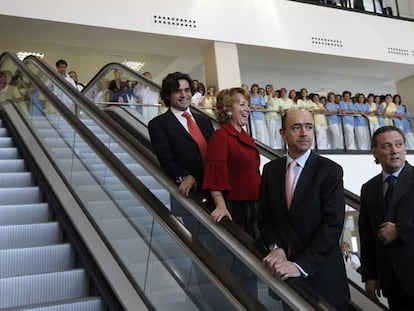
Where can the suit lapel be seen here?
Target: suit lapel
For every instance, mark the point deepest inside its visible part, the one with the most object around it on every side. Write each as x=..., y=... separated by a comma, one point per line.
x=404, y=183
x=378, y=197
x=280, y=186
x=174, y=123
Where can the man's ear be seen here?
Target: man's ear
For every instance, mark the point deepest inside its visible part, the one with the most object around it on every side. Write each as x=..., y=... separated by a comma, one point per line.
x=282, y=132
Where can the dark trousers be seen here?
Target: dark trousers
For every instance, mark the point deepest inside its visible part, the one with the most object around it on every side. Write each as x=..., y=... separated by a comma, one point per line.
x=398, y=299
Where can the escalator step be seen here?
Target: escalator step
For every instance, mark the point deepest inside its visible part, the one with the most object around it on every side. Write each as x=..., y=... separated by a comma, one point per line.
x=26, y=195
x=3, y=132
x=24, y=214
x=40, y=288
x=14, y=165
x=19, y=179
x=6, y=142
x=20, y=236
x=85, y=304
x=9, y=153
x=36, y=260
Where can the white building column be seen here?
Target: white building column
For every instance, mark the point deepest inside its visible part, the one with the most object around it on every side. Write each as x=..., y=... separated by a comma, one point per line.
x=221, y=65
x=406, y=90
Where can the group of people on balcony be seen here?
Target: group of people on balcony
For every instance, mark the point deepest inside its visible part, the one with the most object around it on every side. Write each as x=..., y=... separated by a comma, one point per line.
x=341, y=121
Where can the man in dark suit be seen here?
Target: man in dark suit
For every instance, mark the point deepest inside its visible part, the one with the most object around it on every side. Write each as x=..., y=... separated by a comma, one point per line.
x=386, y=222
x=301, y=213
x=178, y=152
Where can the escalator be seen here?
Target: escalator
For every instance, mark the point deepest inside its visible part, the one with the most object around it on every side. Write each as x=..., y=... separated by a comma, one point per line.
x=35, y=258
x=139, y=133
x=161, y=263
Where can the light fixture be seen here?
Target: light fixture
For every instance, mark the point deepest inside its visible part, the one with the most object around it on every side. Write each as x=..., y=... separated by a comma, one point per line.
x=22, y=54
x=133, y=64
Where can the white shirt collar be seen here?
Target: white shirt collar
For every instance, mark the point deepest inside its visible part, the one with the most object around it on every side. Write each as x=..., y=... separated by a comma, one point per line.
x=396, y=174
x=179, y=113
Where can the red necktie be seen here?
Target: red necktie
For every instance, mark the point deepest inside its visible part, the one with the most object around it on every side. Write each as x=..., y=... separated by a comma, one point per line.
x=290, y=179
x=196, y=135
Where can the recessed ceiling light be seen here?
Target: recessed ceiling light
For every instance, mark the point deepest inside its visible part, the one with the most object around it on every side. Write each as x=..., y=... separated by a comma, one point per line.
x=133, y=64
x=22, y=55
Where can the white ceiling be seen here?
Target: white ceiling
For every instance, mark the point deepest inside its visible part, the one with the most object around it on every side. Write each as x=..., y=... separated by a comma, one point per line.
x=87, y=49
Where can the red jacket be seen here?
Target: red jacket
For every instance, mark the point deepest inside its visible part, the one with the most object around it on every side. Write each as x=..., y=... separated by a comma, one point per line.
x=232, y=164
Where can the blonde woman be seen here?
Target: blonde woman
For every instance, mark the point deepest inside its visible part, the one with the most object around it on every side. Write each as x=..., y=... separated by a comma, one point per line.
x=321, y=124
x=372, y=114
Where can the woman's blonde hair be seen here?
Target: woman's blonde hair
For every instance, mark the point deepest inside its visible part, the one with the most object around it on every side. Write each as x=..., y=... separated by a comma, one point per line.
x=225, y=101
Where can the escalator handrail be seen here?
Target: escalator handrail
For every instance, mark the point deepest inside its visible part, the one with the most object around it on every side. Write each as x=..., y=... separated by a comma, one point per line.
x=235, y=291
x=226, y=237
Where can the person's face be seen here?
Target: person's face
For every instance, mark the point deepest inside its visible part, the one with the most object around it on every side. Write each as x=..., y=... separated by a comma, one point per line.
x=210, y=91
x=269, y=89
x=292, y=94
x=147, y=75
x=61, y=69
x=73, y=76
x=344, y=248
x=390, y=151
x=316, y=99
x=361, y=99
x=181, y=98
x=331, y=98
x=282, y=93
x=298, y=133
x=377, y=99
x=304, y=93
x=337, y=98
x=255, y=89
x=387, y=99
x=346, y=97
x=262, y=92
x=240, y=111
x=118, y=74
x=371, y=99
x=397, y=100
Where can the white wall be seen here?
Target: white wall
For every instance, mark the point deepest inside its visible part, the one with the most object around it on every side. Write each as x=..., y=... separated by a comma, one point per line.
x=358, y=169
x=270, y=23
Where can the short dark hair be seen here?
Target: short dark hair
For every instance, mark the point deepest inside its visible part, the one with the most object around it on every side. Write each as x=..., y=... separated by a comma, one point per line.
x=171, y=84
x=61, y=62
x=384, y=129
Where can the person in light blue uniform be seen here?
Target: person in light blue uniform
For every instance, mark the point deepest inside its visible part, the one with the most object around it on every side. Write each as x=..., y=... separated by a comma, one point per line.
x=332, y=107
x=399, y=113
x=361, y=123
x=257, y=106
x=347, y=107
x=407, y=130
x=381, y=111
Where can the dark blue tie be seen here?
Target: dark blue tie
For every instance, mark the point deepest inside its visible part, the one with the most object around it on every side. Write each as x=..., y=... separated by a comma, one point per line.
x=388, y=196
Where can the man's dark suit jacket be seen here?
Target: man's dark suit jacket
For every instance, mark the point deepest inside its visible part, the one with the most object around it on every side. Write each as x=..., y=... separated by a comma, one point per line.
x=176, y=150
x=310, y=230
x=378, y=261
